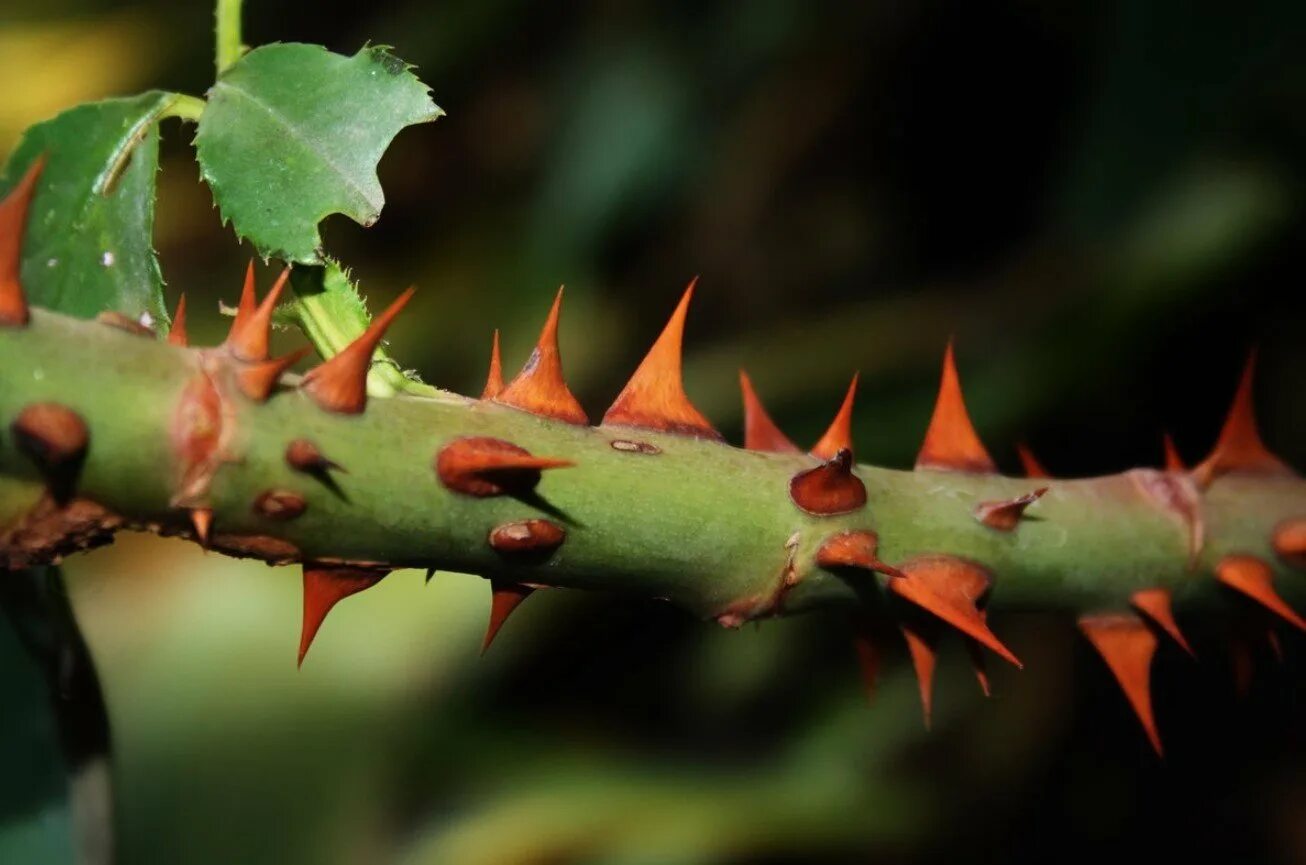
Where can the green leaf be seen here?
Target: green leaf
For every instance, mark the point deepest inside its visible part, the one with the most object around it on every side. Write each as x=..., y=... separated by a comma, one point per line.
x=293, y=133
x=88, y=243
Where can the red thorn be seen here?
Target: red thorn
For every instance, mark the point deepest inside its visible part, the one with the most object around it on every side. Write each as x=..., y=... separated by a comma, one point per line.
x=13, y=226
x=494, y=380
x=950, y=442
x=1005, y=515
x=977, y=661
x=1289, y=541
x=921, y=646
x=505, y=598
x=1033, y=468
x=830, y=488
x=951, y=588
x=1127, y=645
x=760, y=432
x=1155, y=604
x=853, y=549
x=654, y=398
x=1239, y=448
x=540, y=388
x=1253, y=578
x=202, y=520
x=326, y=586
x=483, y=466
x=248, y=339
x=1173, y=462
x=339, y=384
x=840, y=434
x=256, y=380
x=177, y=333
x=866, y=643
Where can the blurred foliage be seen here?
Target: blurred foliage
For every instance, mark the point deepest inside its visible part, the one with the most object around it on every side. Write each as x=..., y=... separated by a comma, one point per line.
x=1102, y=202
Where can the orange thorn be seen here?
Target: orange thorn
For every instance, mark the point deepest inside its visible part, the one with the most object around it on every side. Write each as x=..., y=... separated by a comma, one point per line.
x=505, y=598
x=248, y=338
x=483, y=466
x=339, y=384
x=324, y=587
x=1033, y=468
x=853, y=549
x=840, y=434
x=177, y=333
x=976, y=653
x=1173, y=462
x=867, y=646
x=494, y=381
x=951, y=588
x=1289, y=541
x=1253, y=578
x=1155, y=604
x=1005, y=515
x=202, y=520
x=654, y=398
x=950, y=442
x=830, y=488
x=13, y=226
x=256, y=380
x=760, y=432
x=1127, y=645
x=921, y=645
x=540, y=388
x=1239, y=448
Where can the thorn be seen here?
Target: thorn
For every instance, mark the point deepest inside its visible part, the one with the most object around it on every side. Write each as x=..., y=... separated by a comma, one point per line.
x=113, y=318
x=303, y=456
x=950, y=442
x=482, y=466
x=339, y=384
x=326, y=586
x=257, y=380
x=1033, y=468
x=760, y=432
x=248, y=338
x=538, y=537
x=921, y=645
x=976, y=653
x=540, y=388
x=1173, y=462
x=280, y=505
x=177, y=333
x=430, y=572
x=654, y=398
x=867, y=645
x=840, y=434
x=1127, y=645
x=1005, y=515
x=830, y=488
x=505, y=597
x=853, y=549
x=952, y=588
x=1253, y=578
x=1290, y=541
x=55, y=438
x=13, y=226
x=1155, y=604
x=1239, y=448
x=202, y=520
x=494, y=380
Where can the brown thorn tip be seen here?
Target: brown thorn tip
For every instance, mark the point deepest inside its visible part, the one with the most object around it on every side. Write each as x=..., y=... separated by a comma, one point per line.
x=654, y=398
x=303, y=455
x=324, y=587
x=14, y=210
x=1005, y=515
x=921, y=646
x=1127, y=645
x=1033, y=468
x=952, y=588
x=760, y=432
x=1155, y=604
x=504, y=598
x=202, y=520
x=540, y=387
x=1289, y=541
x=830, y=488
x=482, y=466
x=257, y=380
x=1239, y=447
x=177, y=333
x=1173, y=462
x=248, y=339
x=951, y=443
x=494, y=380
x=840, y=434
x=1253, y=578
x=339, y=384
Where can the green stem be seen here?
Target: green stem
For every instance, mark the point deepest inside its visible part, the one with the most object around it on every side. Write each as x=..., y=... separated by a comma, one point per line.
x=185, y=107
x=229, y=46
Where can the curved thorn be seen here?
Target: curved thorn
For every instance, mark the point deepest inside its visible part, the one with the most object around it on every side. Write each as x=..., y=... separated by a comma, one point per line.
x=505, y=597
x=540, y=387
x=339, y=384
x=1239, y=447
x=14, y=210
x=1127, y=645
x=1253, y=578
x=257, y=380
x=1155, y=604
x=760, y=432
x=324, y=587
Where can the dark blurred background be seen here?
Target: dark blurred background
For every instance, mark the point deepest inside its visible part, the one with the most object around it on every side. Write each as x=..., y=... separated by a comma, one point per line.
x=1103, y=202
